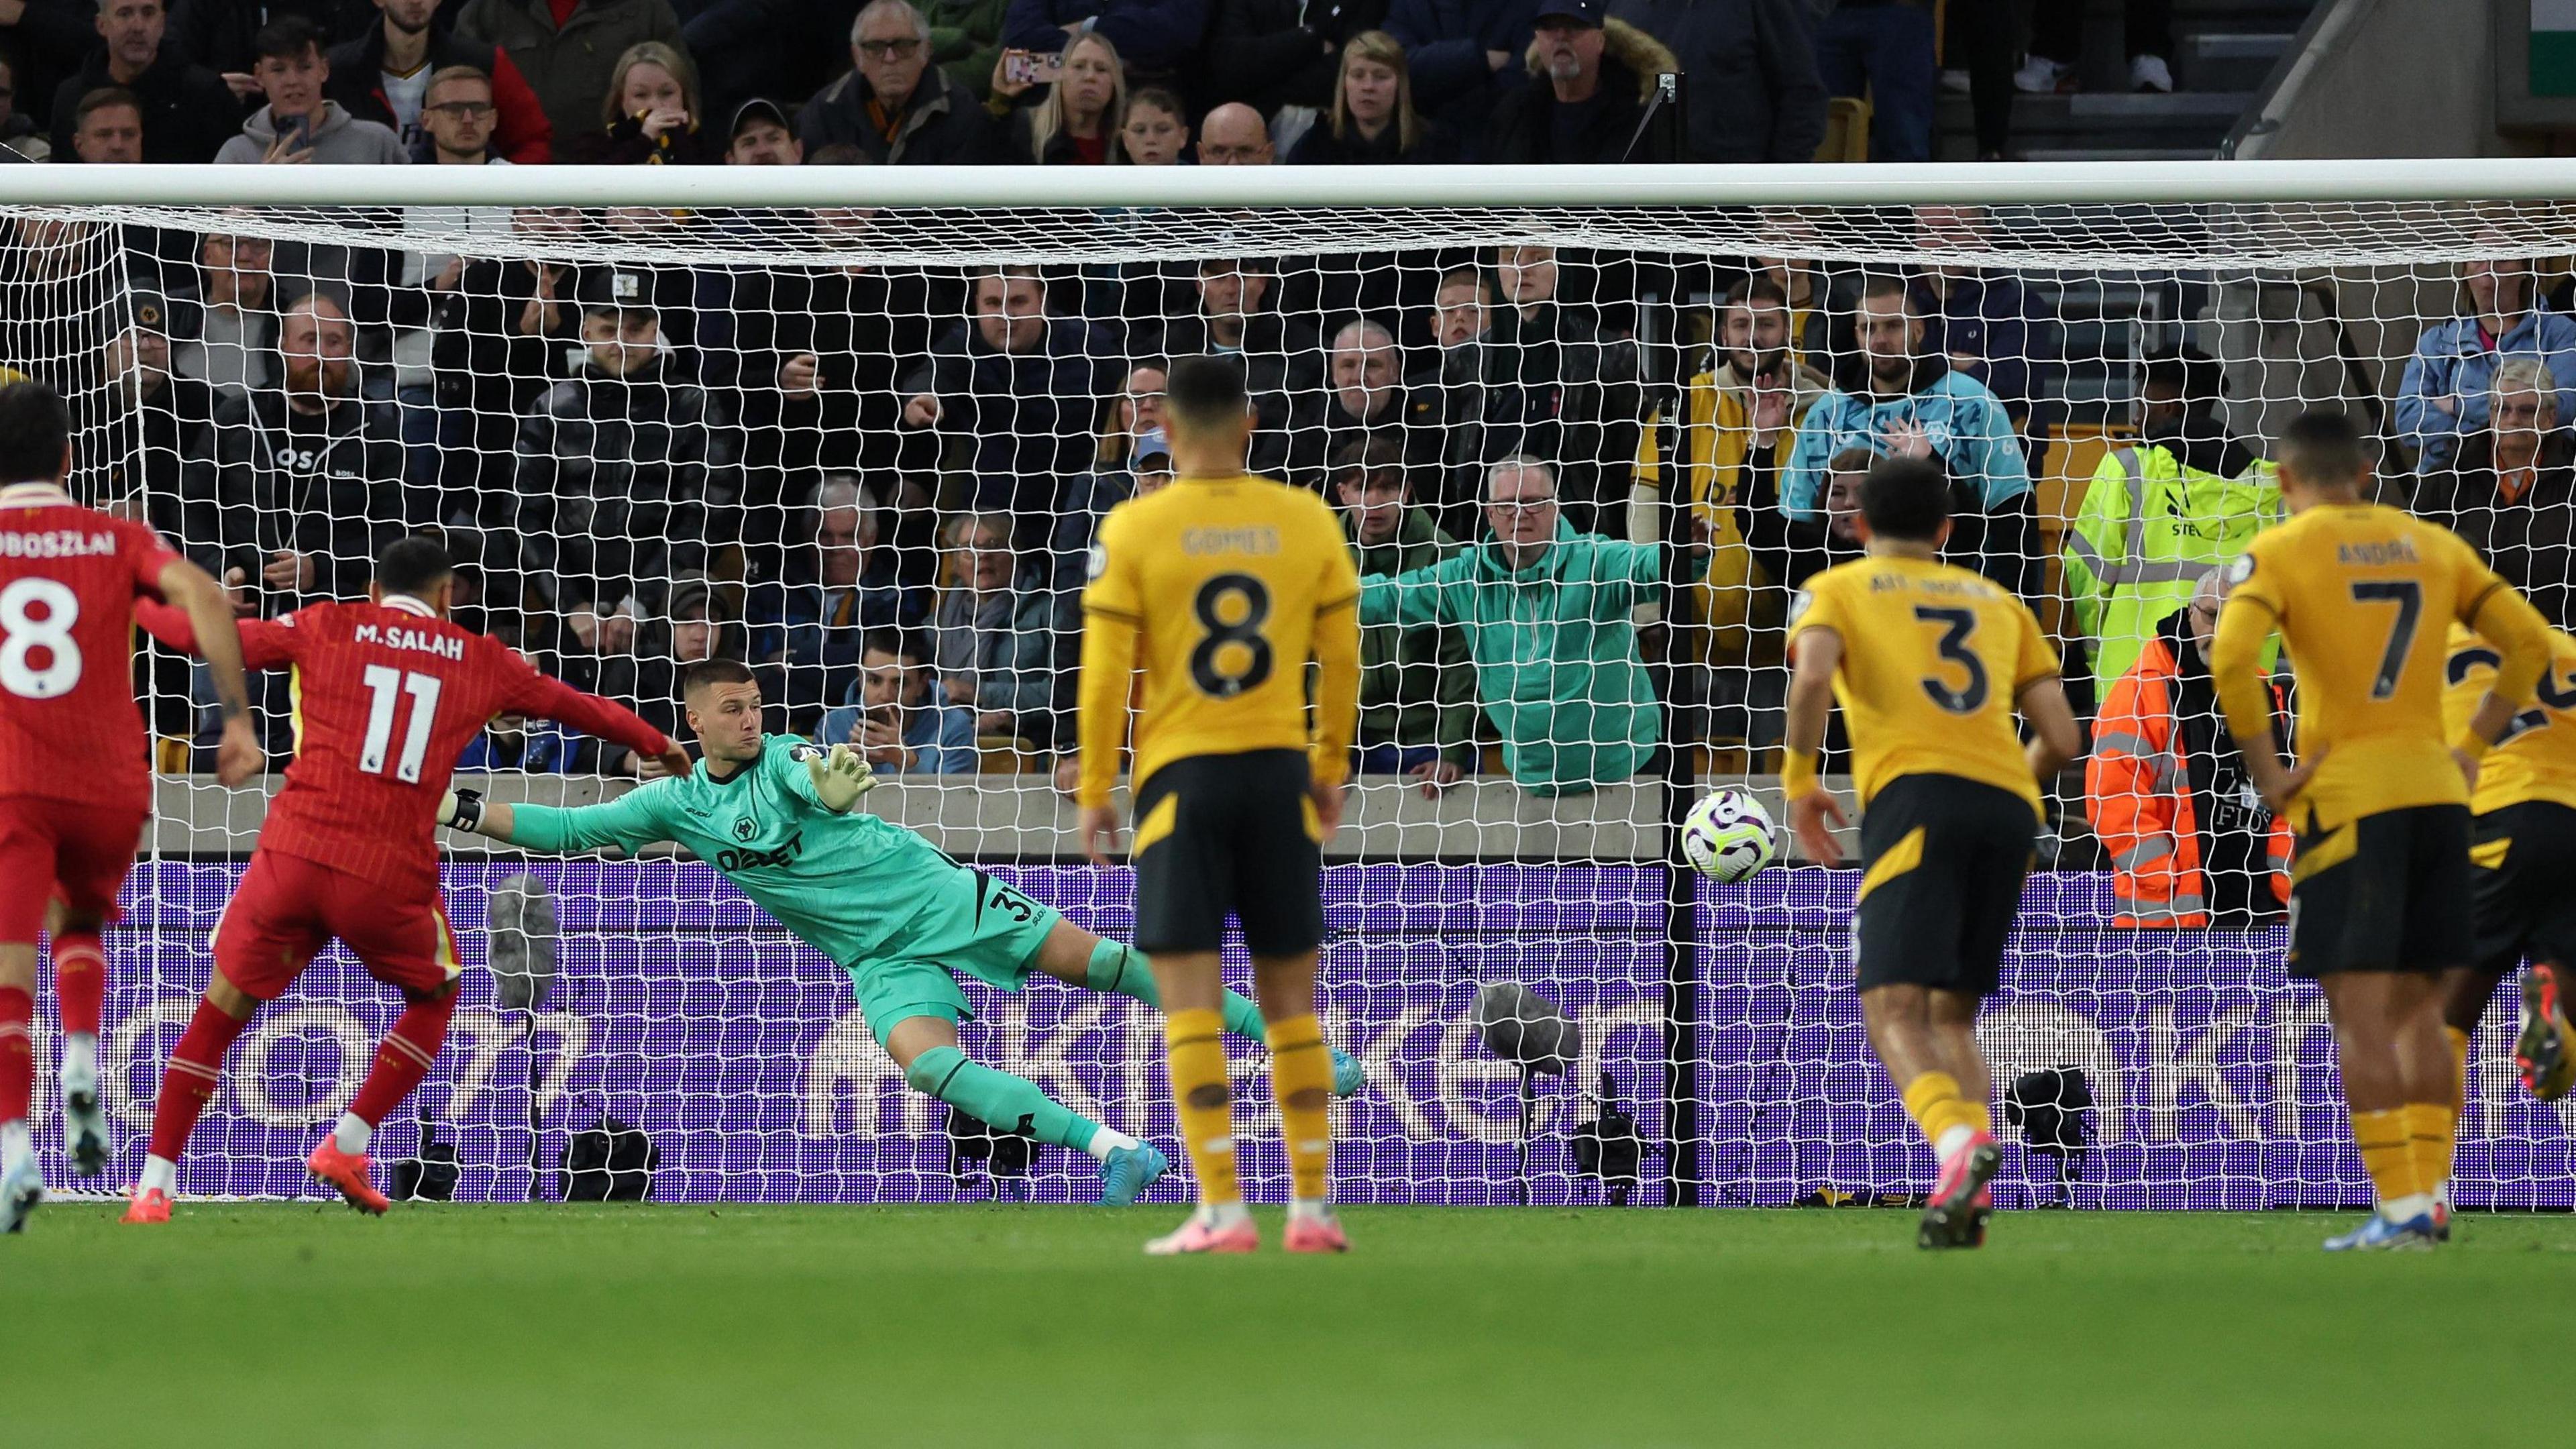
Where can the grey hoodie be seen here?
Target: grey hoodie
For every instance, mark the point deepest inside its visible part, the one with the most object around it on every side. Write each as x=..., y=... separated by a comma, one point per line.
x=339, y=139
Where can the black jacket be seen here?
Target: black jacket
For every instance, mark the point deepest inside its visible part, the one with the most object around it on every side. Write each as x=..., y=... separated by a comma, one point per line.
x=865, y=329
x=267, y=480
x=1281, y=362
x=2530, y=540
x=1319, y=428
x=1271, y=53
x=188, y=111
x=944, y=126
x=1607, y=131
x=1751, y=90
x=1432, y=146
x=1555, y=387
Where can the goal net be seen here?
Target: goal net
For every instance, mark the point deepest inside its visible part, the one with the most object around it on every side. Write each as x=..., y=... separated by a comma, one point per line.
x=862, y=436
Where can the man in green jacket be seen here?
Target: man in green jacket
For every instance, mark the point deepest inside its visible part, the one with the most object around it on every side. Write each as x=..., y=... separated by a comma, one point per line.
x=1417, y=685
x=1546, y=614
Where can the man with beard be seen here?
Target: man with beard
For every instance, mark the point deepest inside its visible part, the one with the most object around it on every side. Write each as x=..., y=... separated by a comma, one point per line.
x=185, y=110
x=1363, y=399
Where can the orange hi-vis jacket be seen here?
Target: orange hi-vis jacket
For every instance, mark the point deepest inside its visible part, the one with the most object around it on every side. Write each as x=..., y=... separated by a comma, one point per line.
x=2137, y=791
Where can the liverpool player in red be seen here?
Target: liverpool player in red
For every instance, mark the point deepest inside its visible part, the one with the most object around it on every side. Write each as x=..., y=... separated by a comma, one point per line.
x=74, y=783
x=388, y=694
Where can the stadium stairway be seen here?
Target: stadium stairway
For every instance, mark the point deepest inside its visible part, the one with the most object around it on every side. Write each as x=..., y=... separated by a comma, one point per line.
x=2223, y=51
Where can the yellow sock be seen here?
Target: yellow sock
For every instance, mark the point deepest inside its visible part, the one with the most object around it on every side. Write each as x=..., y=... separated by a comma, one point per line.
x=2387, y=1153
x=1933, y=1100
x=2431, y=1130
x=1301, y=1076
x=1196, y=1041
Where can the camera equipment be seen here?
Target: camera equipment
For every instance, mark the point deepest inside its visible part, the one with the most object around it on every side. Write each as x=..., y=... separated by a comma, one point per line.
x=2049, y=1106
x=977, y=1148
x=1607, y=1148
x=522, y=930
x=1527, y=1030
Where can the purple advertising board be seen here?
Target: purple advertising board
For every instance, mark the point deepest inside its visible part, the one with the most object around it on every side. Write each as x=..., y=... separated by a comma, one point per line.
x=681, y=1009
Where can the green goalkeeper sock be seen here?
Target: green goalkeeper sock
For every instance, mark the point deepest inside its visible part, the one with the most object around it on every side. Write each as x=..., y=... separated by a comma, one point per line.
x=1122, y=969
x=1007, y=1103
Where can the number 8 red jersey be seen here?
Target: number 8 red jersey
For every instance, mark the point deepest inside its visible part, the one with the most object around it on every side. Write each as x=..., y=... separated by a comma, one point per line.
x=69, y=576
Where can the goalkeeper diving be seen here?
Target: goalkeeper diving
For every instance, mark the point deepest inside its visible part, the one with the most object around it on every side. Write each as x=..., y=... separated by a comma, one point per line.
x=778, y=817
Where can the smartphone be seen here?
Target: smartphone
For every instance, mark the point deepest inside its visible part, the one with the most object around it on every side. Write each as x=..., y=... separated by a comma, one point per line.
x=299, y=133
x=1022, y=67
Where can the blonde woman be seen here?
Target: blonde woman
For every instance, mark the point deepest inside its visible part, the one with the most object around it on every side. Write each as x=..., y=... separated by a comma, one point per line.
x=1078, y=122
x=651, y=115
x=1372, y=122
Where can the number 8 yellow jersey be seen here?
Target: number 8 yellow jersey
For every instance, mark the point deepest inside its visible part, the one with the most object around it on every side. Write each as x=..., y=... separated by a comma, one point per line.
x=1220, y=590
x=1933, y=658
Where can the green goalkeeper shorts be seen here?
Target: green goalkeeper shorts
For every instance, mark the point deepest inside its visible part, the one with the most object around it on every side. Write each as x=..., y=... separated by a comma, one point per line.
x=977, y=927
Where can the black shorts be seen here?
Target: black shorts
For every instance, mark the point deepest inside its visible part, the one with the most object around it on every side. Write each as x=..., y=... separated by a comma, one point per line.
x=2526, y=902
x=1220, y=834
x=2386, y=892
x=1943, y=862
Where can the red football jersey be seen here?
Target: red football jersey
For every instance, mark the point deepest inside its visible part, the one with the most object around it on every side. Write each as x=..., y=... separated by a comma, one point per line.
x=69, y=576
x=386, y=697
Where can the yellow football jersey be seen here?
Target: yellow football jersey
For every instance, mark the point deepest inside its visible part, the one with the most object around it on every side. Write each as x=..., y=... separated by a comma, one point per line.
x=2362, y=596
x=2536, y=759
x=1221, y=590
x=1933, y=658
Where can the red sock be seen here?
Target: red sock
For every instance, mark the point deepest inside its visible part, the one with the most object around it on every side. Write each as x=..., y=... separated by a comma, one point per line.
x=404, y=1058
x=17, y=1053
x=188, y=1083
x=80, y=980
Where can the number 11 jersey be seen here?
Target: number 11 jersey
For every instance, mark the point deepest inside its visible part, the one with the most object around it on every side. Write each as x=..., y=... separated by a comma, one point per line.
x=1933, y=658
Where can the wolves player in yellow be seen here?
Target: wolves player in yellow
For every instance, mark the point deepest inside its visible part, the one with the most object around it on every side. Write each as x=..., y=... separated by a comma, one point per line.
x=2522, y=841
x=2363, y=596
x=1929, y=663
x=1221, y=588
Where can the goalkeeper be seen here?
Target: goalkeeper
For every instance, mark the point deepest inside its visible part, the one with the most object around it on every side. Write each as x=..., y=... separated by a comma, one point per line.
x=775, y=814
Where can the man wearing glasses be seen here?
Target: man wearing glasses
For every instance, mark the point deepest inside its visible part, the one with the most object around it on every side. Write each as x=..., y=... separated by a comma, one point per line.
x=386, y=76
x=895, y=105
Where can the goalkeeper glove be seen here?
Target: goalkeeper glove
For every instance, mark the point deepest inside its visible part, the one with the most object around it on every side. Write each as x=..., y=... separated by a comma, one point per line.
x=841, y=776
x=461, y=809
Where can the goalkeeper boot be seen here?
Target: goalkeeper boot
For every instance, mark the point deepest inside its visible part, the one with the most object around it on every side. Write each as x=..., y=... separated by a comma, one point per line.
x=84, y=1122
x=21, y=1188
x=1209, y=1230
x=146, y=1205
x=347, y=1171
x=2546, y=1047
x=1314, y=1232
x=1348, y=1075
x=2384, y=1234
x=1128, y=1171
x=1952, y=1219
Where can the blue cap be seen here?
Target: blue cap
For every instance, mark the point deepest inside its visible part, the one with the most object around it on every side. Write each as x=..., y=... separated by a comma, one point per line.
x=1584, y=12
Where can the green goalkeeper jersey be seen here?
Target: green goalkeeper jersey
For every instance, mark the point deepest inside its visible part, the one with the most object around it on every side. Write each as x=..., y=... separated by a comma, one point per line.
x=844, y=883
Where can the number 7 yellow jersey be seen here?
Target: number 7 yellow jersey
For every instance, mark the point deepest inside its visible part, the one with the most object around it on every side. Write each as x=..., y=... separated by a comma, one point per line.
x=1933, y=658
x=1220, y=590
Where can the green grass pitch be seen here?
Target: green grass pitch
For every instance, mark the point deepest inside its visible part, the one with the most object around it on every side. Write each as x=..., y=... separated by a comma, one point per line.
x=295, y=1323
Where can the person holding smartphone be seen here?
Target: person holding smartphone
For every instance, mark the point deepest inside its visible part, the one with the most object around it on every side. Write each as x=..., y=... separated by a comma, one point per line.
x=1084, y=107
x=299, y=125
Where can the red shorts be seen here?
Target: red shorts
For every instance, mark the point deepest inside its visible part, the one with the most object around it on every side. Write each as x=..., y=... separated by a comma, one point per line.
x=55, y=848
x=287, y=909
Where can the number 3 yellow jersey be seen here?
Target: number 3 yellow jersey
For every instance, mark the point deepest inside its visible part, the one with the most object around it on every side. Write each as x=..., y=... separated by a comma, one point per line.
x=1220, y=590
x=2363, y=597
x=1933, y=658
x=2536, y=759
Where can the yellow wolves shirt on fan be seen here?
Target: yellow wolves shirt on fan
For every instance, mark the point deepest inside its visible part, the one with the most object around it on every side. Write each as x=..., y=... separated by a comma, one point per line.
x=2363, y=597
x=2536, y=759
x=1933, y=658
x=1221, y=588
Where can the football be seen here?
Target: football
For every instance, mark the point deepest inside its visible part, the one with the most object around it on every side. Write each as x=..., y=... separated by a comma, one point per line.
x=1728, y=836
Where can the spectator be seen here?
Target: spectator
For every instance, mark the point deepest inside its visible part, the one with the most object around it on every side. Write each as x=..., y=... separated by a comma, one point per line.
x=154, y=416
x=761, y=137
x=843, y=586
x=1753, y=92
x=1236, y=317
x=618, y=466
x=1084, y=108
x=385, y=76
x=2442, y=399
x=460, y=124
x=1235, y=135
x=1131, y=446
x=2158, y=513
x=996, y=632
x=297, y=484
x=898, y=718
x=1546, y=612
x=1585, y=103
x=2512, y=491
x=1463, y=59
x=106, y=129
x=459, y=115
x=300, y=123
x=744, y=48
x=19, y=133
x=1417, y=685
x=233, y=346
x=651, y=116
x=1791, y=552
x=498, y=338
x=2057, y=42
x=892, y=104
x=567, y=49
x=1883, y=49
x=185, y=109
x=1372, y=120
x=966, y=40
x=2191, y=843
x=1019, y=384
x=1158, y=38
x=1363, y=398
x=1157, y=129
x=641, y=664
x=1894, y=400
x=1982, y=321
x=1274, y=53
x=516, y=742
